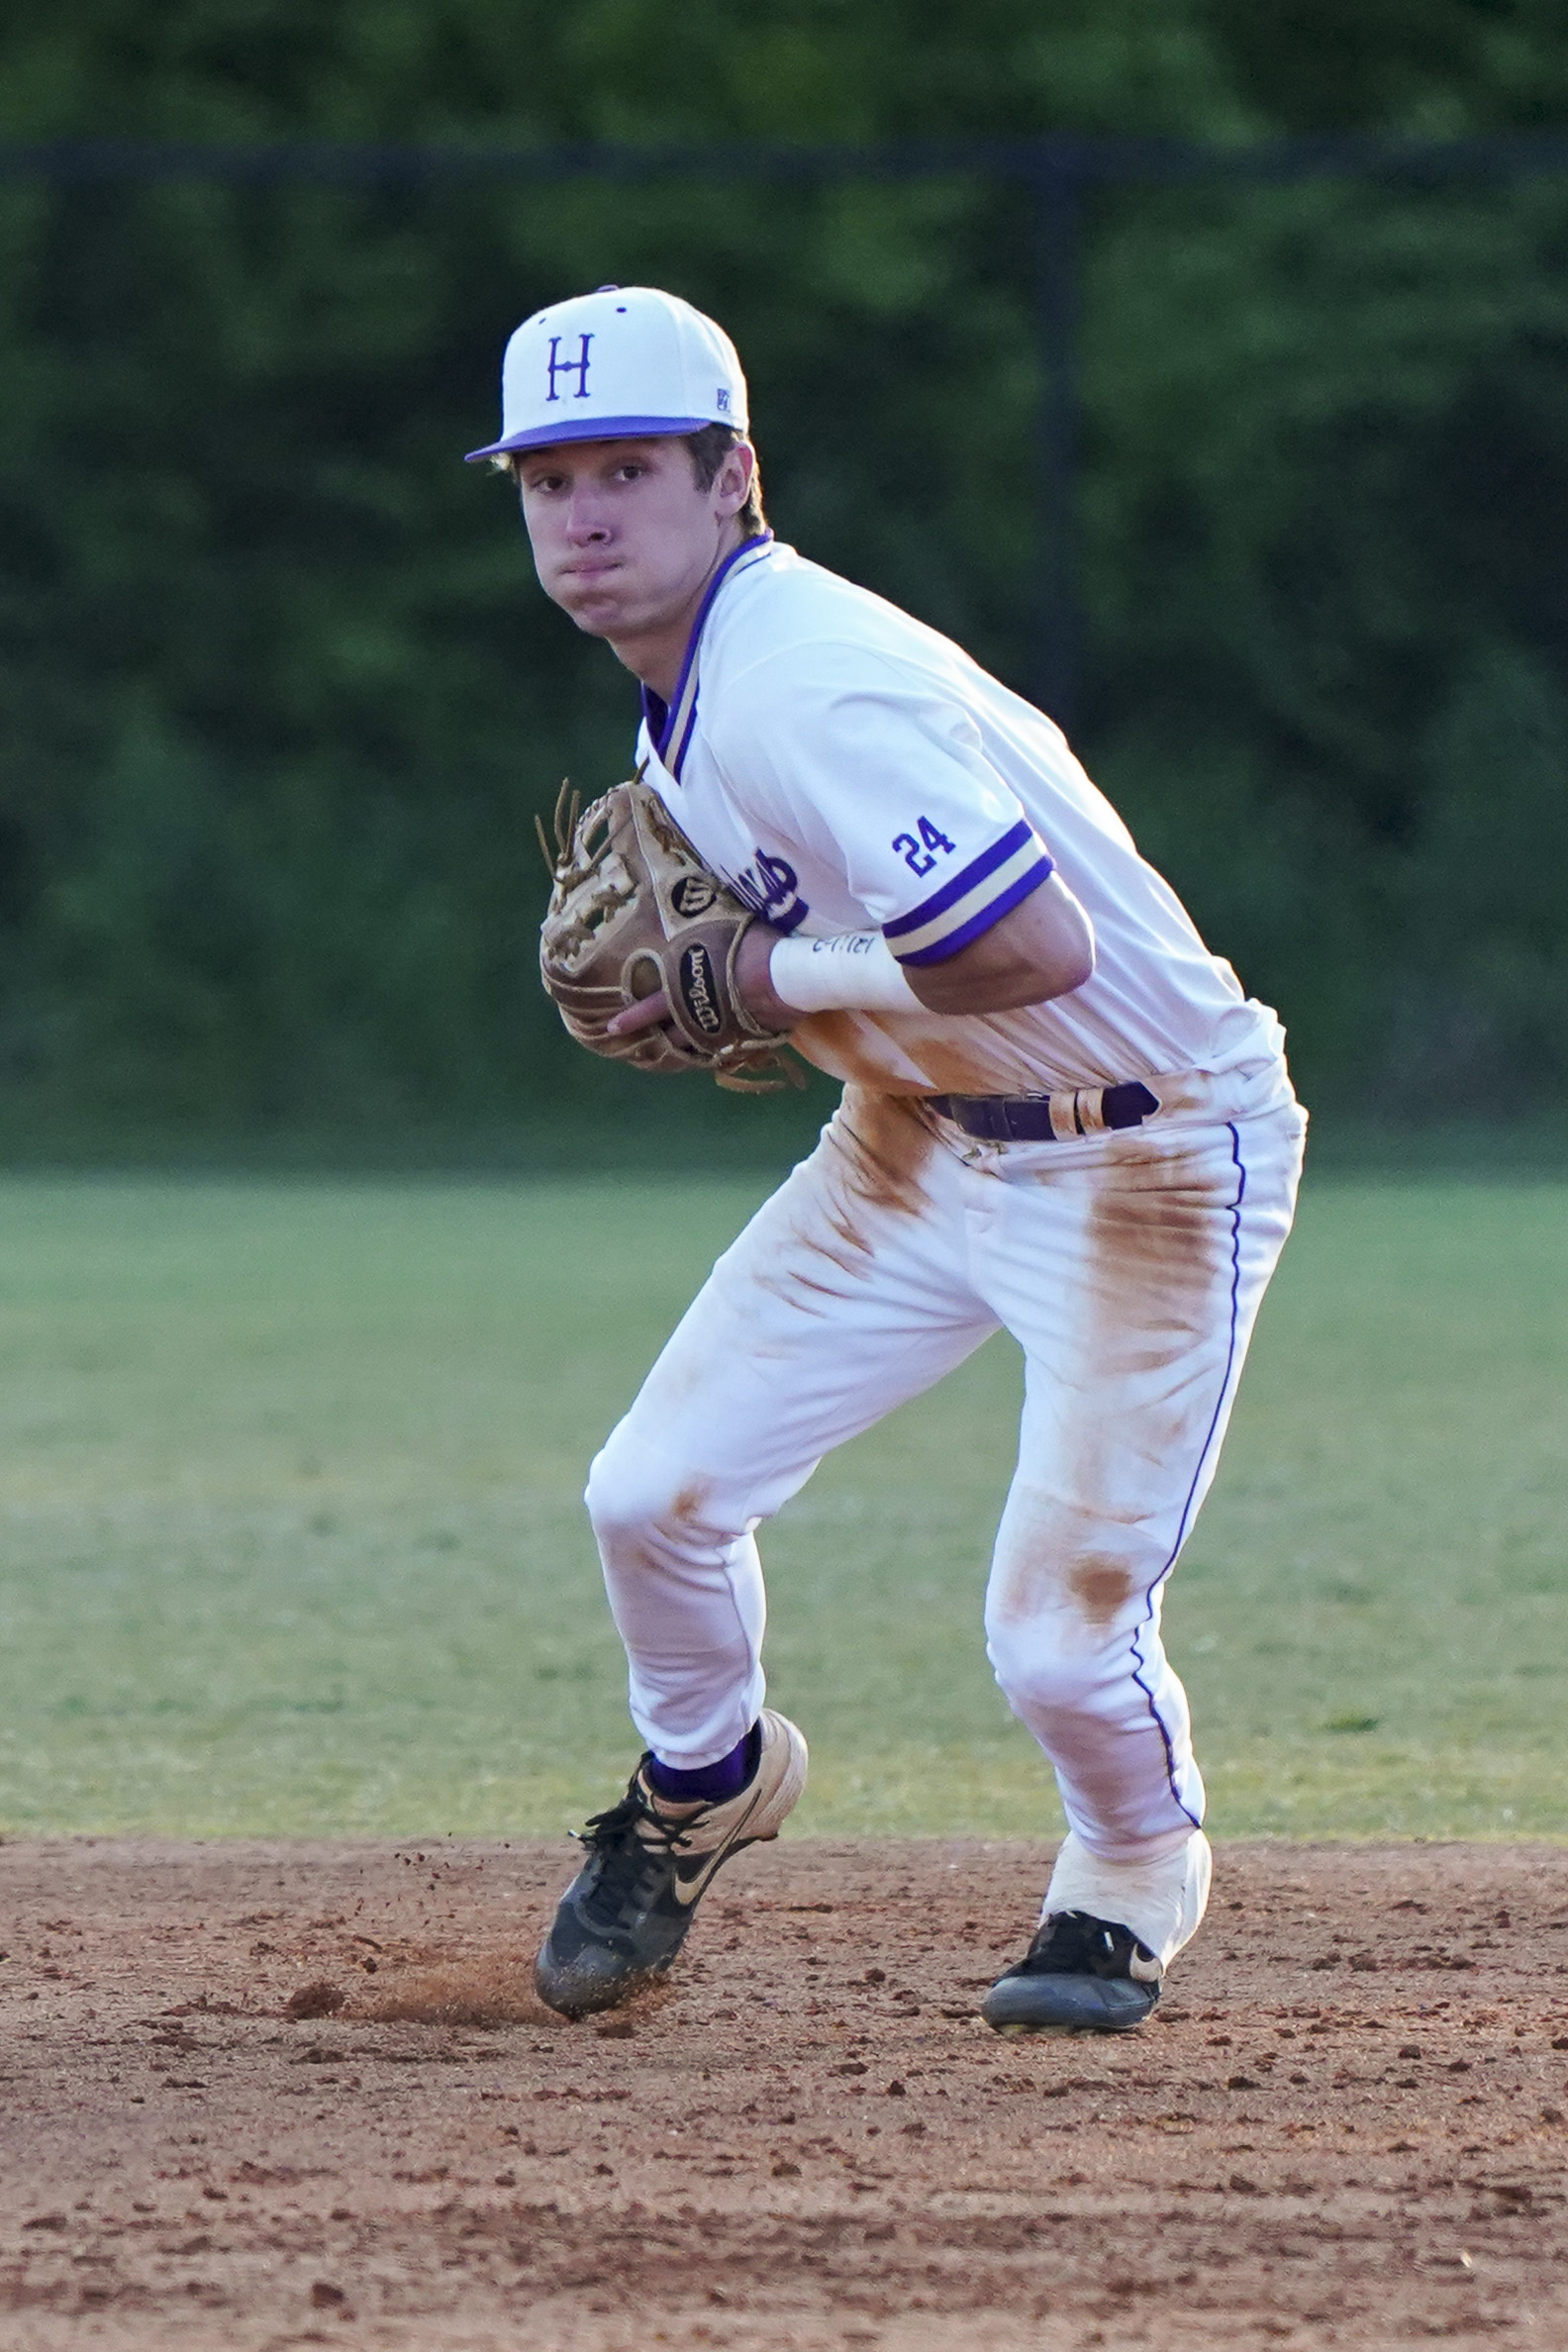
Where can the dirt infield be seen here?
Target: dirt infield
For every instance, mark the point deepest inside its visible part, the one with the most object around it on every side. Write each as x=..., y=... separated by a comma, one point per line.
x=1345, y=2126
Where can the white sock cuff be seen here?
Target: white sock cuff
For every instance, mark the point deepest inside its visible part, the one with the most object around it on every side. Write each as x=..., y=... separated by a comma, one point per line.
x=1162, y=1902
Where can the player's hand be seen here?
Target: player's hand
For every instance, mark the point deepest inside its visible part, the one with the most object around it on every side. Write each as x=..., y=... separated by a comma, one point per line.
x=753, y=987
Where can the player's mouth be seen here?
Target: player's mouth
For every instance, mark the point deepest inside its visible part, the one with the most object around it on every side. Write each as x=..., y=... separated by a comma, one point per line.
x=583, y=586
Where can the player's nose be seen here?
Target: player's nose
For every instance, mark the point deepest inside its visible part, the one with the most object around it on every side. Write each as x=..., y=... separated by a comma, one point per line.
x=585, y=521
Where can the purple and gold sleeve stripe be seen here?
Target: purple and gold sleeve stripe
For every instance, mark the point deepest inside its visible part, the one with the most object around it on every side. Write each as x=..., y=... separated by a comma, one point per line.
x=969, y=903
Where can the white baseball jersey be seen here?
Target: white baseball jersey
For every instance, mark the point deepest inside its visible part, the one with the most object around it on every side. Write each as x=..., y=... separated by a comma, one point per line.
x=847, y=768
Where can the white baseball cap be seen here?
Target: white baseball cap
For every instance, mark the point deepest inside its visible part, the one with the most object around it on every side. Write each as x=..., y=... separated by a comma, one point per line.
x=622, y=364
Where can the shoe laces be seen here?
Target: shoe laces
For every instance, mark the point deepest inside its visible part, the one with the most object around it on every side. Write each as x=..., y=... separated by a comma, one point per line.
x=628, y=1846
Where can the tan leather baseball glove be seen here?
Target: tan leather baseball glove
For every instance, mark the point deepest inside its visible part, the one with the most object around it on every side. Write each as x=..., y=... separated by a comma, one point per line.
x=634, y=909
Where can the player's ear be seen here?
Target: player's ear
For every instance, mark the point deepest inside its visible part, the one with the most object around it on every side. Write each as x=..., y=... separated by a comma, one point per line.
x=733, y=483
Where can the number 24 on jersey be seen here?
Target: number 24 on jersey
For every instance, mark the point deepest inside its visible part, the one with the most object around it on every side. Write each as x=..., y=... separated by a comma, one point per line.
x=920, y=852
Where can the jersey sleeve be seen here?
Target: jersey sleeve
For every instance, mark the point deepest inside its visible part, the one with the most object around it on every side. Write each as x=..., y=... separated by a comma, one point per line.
x=882, y=775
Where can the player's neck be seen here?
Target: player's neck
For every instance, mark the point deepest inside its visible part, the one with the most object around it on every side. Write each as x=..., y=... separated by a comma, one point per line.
x=657, y=654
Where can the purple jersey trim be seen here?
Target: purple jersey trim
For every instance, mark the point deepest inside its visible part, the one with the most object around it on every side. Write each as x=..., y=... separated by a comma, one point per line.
x=978, y=925
x=546, y=437
x=664, y=719
x=960, y=885
x=677, y=755
x=790, y=919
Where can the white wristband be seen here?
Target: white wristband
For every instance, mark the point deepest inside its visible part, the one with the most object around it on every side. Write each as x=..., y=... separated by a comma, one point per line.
x=855, y=972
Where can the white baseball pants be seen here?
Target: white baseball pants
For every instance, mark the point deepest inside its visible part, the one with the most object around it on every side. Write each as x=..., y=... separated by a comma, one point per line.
x=1128, y=1267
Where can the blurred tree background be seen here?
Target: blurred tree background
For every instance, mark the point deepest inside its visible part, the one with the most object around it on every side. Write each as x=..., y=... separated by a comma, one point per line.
x=278, y=695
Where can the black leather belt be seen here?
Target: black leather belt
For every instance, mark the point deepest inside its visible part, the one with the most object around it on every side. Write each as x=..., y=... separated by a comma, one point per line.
x=1026, y=1119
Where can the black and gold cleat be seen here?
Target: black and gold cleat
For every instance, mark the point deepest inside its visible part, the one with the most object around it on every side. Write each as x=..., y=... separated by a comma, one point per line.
x=1080, y=1975
x=625, y=1916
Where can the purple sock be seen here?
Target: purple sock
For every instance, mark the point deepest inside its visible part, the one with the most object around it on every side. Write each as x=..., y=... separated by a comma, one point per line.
x=711, y=1784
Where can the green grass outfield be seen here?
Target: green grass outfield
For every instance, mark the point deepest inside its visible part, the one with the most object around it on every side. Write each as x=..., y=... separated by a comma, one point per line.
x=292, y=1541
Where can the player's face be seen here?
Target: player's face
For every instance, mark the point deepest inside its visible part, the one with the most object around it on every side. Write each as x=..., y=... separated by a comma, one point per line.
x=622, y=536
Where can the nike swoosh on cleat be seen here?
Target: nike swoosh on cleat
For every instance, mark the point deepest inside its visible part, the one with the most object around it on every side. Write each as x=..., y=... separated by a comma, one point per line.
x=693, y=1872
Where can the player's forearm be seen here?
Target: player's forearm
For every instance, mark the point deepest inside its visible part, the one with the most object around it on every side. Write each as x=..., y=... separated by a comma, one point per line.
x=1043, y=948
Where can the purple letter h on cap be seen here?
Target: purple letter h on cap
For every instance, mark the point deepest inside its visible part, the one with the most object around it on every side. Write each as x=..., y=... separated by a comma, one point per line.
x=578, y=367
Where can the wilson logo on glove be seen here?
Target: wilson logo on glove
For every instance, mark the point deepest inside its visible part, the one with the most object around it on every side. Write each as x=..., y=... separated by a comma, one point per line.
x=700, y=991
x=693, y=895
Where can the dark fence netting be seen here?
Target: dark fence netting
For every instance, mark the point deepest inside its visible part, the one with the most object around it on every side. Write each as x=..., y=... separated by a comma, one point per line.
x=1282, y=466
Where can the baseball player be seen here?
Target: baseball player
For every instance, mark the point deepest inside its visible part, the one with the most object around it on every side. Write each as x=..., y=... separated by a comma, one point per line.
x=1060, y=1116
